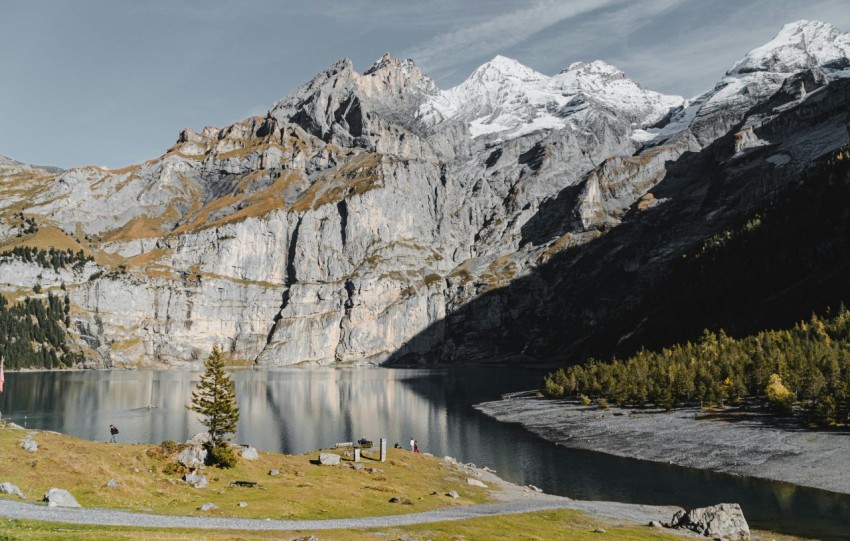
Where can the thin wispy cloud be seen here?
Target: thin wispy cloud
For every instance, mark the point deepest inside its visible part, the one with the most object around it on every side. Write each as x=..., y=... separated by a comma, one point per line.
x=493, y=35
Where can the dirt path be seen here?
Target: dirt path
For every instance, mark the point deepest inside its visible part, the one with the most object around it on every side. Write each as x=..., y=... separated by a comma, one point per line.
x=512, y=499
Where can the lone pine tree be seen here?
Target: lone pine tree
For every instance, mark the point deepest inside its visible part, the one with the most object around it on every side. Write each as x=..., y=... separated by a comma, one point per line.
x=214, y=399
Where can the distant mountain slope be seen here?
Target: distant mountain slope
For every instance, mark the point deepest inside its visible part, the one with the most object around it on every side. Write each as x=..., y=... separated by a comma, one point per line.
x=373, y=217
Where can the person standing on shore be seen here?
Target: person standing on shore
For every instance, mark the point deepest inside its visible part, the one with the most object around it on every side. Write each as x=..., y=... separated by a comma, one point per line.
x=412, y=443
x=113, y=431
x=415, y=447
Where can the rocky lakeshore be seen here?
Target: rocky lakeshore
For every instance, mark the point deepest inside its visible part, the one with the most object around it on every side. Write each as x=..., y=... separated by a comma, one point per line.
x=736, y=442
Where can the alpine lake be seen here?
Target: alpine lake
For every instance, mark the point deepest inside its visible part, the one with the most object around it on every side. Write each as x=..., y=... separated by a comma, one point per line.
x=296, y=410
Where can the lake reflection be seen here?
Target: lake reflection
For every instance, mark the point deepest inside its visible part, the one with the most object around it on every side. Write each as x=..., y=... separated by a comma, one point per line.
x=285, y=410
x=299, y=410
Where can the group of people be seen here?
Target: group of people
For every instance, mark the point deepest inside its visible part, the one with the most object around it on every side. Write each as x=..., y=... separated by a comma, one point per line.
x=414, y=446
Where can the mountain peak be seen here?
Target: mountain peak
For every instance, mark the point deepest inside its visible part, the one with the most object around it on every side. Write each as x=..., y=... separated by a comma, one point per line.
x=502, y=66
x=384, y=61
x=798, y=46
x=597, y=67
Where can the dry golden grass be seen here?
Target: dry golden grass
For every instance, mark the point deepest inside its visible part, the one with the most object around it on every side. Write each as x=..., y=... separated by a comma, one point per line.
x=144, y=226
x=358, y=175
x=500, y=272
x=46, y=237
x=254, y=205
x=303, y=490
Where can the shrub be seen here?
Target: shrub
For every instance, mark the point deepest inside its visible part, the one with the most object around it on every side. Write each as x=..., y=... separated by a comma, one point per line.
x=602, y=403
x=778, y=394
x=174, y=468
x=165, y=450
x=552, y=389
x=170, y=446
x=222, y=456
x=585, y=400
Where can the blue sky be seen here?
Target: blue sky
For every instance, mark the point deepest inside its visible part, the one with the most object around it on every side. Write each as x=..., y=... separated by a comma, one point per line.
x=112, y=83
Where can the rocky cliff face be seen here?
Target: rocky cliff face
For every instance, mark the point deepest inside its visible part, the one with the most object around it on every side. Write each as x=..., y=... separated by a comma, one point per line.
x=362, y=210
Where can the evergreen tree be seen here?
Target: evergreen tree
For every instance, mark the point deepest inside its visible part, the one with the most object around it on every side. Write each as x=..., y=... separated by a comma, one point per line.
x=214, y=399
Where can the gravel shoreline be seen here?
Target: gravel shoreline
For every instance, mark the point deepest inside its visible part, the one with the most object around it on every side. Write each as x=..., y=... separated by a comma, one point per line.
x=741, y=443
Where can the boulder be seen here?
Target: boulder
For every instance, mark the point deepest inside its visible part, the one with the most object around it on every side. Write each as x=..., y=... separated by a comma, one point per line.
x=242, y=504
x=274, y=472
x=453, y=494
x=197, y=480
x=112, y=483
x=475, y=482
x=250, y=453
x=192, y=457
x=329, y=459
x=9, y=488
x=28, y=444
x=208, y=506
x=724, y=521
x=201, y=438
x=57, y=497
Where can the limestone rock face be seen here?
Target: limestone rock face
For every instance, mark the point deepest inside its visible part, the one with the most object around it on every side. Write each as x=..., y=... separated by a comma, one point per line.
x=355, y=220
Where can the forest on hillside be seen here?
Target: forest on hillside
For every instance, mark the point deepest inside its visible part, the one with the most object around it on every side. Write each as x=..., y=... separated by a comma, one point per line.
x=804, y=370
x=33, y=333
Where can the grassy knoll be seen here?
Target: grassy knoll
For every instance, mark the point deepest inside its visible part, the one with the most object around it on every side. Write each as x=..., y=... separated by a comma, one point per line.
x=303, y=490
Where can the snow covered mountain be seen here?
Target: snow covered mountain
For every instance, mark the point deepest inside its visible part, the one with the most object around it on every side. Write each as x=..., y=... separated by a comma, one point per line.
x=372, y=217
x=507, y=99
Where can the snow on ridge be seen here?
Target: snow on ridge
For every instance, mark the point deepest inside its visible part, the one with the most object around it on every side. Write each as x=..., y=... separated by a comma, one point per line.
x=506, y=97
x=799, y=45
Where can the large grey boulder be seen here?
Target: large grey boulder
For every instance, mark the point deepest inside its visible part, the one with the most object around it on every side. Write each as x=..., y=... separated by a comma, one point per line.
x=329, y=459
x=9, y=488
x=192, y=457
x=250, y=453
x=209, y=506
x=723, y=521
x=28, y=444
x=57, y=497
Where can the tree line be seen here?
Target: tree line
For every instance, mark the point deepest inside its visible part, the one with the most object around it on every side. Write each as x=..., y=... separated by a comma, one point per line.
x=51, y=258
x=804, y=370
x=33, y=333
